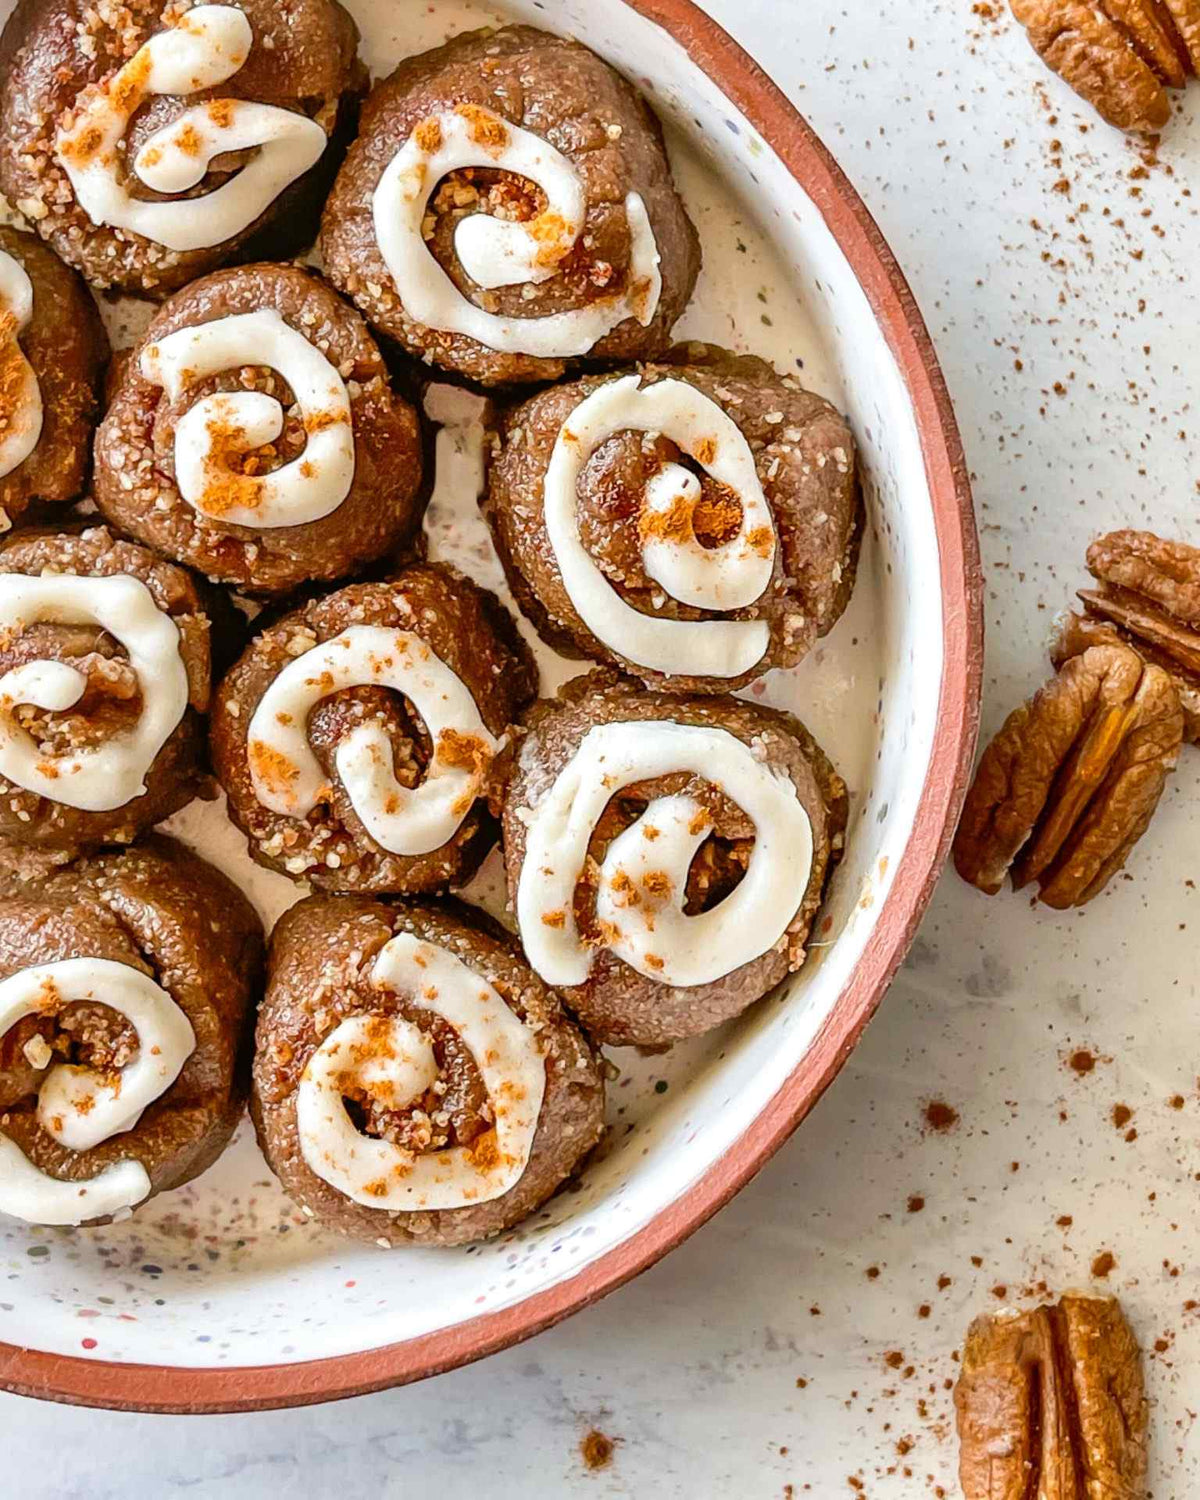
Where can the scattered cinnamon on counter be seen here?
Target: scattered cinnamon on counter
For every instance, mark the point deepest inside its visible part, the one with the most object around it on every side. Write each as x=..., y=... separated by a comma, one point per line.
x=940, y=1116
x=597, y=1449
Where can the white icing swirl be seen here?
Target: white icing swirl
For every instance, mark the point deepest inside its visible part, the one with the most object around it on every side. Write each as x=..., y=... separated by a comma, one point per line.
x=498, y=253
x=103, y=777
x=287, y=776
x=728, y=576
x=392, y=1061
x=642, y=883
x=224, y=427
x=206, y=47
x=82, y=1107
x=21, y=418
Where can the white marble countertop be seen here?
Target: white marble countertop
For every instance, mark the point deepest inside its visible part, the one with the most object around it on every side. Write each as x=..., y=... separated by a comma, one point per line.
x=806, y=1337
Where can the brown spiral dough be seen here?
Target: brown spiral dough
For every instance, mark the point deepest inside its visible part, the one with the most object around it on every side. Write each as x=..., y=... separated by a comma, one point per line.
x=618, y=1005
x=165, y=912
x=67, y=348
x=321, y=956
x=35, y=829
x=304, y=58
x=135, y=483
x=559, y=90
x=469, y=631
x=804, y=455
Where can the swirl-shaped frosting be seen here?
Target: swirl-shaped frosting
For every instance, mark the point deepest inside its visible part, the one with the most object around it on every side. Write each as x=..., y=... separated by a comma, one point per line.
x=81, y=1107
x=102, y=777
x=20, y=394
x=214, y=435
x=498, y=253
x=642, y=883
x=730, y=575
x=205, y=48
x=392, y=1062
x=288, y=778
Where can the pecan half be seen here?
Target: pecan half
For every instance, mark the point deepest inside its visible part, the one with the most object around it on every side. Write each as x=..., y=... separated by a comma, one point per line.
x=1051, y=1405
x=1116, y=54
x=1149, y=599
x=1163, y=572
x=1069, y=784
x=1186, y=15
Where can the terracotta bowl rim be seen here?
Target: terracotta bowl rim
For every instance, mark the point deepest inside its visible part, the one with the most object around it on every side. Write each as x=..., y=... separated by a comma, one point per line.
x=163, y=1388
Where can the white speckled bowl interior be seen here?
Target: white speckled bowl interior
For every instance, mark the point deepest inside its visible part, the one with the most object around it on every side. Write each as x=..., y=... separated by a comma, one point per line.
x=225, y=1272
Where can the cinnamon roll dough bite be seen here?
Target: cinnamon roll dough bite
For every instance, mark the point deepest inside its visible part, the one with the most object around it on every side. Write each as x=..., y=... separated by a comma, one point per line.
x=127, y=990
x=255, y=435
x=694, y=522
x=414, y=1081
x=666, y=856
x=507, y=211
x=53, y=350
x=356, y=737
x=151, y=142
x=106, y=658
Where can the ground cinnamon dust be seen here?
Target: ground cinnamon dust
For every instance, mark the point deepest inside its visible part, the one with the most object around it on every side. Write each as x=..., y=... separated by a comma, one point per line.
x=597, y=1449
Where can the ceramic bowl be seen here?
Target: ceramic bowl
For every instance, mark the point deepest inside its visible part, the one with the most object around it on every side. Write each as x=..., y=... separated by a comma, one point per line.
x=222, y=1296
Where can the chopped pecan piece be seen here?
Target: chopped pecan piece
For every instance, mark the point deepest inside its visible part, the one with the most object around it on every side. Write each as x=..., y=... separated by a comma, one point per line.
x=1116, y=54
x=1150, y=600
x=1051, y=1405
x=1069, y=784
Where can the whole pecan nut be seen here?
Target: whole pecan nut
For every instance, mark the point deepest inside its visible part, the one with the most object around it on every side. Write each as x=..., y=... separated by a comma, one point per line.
x=1050, y=1403
x=1070, y=783
x=1116, y=54
x=1149, y=599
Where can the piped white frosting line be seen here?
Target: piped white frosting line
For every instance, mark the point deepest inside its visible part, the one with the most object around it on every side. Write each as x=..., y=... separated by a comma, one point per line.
x=495, y=252
x=730, y=576
x=103, y=777
x=21, y=420
x=391, y=1060
x=229, y=424
x=287, y=776
x=643, y=880
x=205, y=48
x=82, y=1107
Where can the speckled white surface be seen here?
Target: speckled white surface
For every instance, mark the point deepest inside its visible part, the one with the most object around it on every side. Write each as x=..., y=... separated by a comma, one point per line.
x=757, y=1356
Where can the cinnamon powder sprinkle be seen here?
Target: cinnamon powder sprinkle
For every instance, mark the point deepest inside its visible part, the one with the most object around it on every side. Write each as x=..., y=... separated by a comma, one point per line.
x=466, y=752
x=188, y=140
x=671, y=525
x=274, y=769
x=428, y=136
x=940, y=1116
x=487, y=130
x=717, y=520
x=597, y=1449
